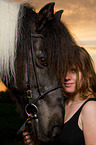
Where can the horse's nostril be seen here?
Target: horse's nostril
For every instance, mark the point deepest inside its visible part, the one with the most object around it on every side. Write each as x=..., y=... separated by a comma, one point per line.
x=56, y=130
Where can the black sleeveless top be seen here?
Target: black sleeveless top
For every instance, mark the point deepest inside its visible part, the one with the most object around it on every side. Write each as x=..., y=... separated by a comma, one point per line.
x=71, y=133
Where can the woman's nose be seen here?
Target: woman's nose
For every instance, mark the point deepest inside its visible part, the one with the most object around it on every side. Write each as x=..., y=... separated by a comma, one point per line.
x=67, y=77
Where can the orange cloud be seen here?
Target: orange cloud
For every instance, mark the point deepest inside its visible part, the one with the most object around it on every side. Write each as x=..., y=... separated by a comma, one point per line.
x=2, y=86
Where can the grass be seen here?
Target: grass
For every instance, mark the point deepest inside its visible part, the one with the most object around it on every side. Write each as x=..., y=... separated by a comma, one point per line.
x=10, y=122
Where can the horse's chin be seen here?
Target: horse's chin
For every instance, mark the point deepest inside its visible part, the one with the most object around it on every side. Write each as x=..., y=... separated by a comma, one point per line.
x=45, y=135
x=50, y=136
x=45, y=139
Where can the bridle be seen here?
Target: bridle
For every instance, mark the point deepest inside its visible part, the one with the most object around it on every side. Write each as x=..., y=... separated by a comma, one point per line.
x=33, y=114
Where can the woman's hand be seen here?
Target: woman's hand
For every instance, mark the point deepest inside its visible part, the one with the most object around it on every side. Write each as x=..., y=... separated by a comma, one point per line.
x=27, y=137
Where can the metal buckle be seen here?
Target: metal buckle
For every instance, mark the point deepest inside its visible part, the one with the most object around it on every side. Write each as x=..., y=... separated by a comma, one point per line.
x=29, y=94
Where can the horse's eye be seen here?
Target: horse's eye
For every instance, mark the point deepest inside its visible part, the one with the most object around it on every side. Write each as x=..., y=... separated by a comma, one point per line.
x=43, y=61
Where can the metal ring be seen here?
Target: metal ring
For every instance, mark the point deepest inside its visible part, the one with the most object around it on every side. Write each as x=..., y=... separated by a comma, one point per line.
x=30, y=113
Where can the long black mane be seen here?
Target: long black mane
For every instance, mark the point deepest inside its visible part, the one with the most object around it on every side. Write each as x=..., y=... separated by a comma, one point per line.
x=62, y=44
x=57, y=42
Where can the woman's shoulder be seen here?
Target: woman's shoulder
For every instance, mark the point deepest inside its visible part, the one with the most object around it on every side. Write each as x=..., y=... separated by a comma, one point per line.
x=88, y=118
x=89, y=108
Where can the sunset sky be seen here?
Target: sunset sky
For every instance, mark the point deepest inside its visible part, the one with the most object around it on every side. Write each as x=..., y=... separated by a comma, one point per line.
x=79, y=17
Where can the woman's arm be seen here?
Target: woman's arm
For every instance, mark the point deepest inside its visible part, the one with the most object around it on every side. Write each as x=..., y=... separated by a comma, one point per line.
x=88, y=116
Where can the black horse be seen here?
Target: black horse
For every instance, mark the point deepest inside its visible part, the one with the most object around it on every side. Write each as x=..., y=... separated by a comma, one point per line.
x=35, y=50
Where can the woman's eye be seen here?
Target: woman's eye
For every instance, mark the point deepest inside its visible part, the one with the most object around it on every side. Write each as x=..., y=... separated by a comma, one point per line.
x=43, y=61
x=74, y=70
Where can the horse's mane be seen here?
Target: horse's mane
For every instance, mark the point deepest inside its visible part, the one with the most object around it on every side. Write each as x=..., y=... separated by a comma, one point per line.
x=59, y=46
x=58, y=41
x=8, y=32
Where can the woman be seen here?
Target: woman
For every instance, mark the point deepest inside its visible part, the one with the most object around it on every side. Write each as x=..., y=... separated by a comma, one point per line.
x=79, y=87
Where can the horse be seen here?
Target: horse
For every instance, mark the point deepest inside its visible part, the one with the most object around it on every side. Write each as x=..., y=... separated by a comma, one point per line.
x=34, y=49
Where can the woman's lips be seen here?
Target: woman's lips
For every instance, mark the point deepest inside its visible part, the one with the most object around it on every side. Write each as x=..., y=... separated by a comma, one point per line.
x=68, y=84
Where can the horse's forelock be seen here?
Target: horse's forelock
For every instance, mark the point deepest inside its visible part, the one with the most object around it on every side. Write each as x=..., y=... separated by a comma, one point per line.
x=8, y=28
x=58, y=44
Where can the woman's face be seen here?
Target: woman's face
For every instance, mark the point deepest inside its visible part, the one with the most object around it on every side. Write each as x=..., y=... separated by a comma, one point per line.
x=69, y=83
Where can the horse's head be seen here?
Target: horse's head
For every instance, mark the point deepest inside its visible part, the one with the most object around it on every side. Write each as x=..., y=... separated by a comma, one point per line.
x=42, y=42
x=35, y=71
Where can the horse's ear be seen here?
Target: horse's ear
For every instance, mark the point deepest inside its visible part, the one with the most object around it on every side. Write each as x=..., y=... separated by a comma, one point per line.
x=45, y=15
x=58, y=14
